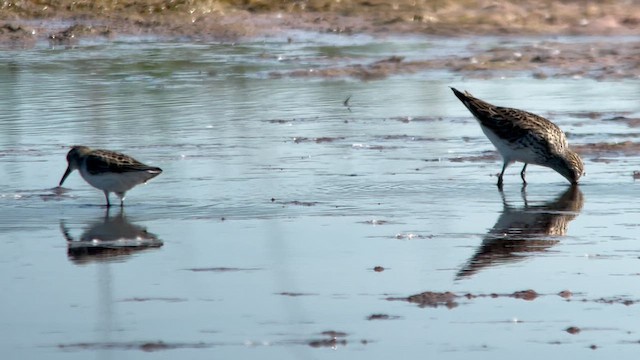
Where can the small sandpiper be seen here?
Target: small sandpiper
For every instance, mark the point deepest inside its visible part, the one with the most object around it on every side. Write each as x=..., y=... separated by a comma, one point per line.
x=522, y=136
x=108, y=171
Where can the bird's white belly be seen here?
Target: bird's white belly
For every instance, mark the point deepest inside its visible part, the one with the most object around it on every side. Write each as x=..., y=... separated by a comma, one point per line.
x=510, y=151
x=114, y=182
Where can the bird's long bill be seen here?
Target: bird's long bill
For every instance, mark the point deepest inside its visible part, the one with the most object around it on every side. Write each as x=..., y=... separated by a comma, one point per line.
x=64, y=177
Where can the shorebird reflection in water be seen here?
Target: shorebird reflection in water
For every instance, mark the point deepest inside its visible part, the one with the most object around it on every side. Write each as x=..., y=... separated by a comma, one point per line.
x=108, y=238
x=108, y=171
x=525, y=231
x=522, y=136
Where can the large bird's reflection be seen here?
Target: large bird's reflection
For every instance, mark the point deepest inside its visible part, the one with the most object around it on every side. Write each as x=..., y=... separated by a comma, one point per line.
x=524, y=231
x=110, y=238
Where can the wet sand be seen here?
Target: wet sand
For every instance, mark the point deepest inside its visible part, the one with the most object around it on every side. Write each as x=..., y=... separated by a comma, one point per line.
x=67, y=23
x=235, y=18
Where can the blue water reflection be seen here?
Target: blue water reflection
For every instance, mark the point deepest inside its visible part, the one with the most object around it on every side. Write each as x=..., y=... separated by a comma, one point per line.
x=285, y=201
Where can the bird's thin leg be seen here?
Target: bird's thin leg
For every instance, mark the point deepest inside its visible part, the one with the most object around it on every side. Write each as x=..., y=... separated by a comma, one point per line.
x=504, y=167
x=504, y=199
x=65, y=231
x=524, y=181
x=121, y=196
x=106, y=196
x=523, y=193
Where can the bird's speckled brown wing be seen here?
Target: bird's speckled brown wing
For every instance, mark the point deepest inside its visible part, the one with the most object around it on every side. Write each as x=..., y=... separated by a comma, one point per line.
x=102, y=161
x=512, y=124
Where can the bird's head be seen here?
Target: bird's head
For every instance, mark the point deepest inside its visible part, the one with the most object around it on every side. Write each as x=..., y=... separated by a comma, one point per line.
x=570, y=166
x=74, y=159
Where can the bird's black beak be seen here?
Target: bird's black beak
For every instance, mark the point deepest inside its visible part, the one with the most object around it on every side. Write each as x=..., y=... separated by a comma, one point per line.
x=66, y=173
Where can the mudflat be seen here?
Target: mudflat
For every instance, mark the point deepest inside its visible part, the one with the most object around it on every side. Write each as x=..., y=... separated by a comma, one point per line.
x=67, y=23
x=232, y=19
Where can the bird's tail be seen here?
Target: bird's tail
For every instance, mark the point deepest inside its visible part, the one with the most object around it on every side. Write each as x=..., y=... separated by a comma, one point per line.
x=480, y=109
x=153, y=172
x=466, y=98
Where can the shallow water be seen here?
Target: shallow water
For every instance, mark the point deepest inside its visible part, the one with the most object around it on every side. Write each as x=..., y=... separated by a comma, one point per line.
x=277, y=202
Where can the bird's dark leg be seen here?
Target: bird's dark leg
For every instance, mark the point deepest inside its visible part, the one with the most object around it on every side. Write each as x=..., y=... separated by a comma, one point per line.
x=505, y=205
x=106, y=196
x=522, y=173
x=65, y=231
x=121, y=196
x=504, y=167
x=523, y=193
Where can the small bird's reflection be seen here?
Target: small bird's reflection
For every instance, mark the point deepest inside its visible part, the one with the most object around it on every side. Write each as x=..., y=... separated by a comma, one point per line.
x=524, y=231
x=111, y=238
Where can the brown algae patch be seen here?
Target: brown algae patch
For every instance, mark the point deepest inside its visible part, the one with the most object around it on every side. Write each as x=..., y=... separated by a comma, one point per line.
x=432, y=299
x=318, y=140
x=222, y=269
x=373, y=71
x=142, y=346
x=594, y=60
x=486, y=156
x=528, y=295
x=301, y=203
x=335, y=338
x=565, y=294
x=450, y=300
x=145, y=299
x=294, y=294
x=624, y=148
x=382, y=317
x=630, y=122
x=573, y=330
x=15, y=36
x=594, y=151
x=331, y=343
x=616, y=300
x=72, y=34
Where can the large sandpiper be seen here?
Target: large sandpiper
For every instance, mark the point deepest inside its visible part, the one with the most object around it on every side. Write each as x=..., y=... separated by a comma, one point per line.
x=522, y=136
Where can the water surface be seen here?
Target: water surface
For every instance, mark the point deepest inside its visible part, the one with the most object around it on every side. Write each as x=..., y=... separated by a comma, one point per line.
x=277, y=202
